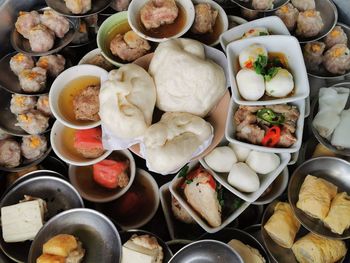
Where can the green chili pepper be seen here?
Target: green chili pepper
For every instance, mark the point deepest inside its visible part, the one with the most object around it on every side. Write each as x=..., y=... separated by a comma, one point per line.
x=270, y=116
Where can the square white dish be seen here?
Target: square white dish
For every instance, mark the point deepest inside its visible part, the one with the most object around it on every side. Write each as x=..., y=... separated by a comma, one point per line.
x=265, y=180
x=230, y=130
x=273, y=24
x=287, y=45
x=174, y=186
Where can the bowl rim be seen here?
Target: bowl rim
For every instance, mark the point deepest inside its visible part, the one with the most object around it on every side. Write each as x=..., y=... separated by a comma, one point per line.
x=238, y=2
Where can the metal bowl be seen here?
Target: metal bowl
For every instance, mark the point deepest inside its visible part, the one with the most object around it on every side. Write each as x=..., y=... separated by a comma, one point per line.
x=334, y=170
x=21, y=44
x=97, y=233
x=206, y=251
x=248, y=5
x=324, y=141
x=59, y=195
x=126, y=235
x=227, y=234
x=176, y=244
x=60, y=7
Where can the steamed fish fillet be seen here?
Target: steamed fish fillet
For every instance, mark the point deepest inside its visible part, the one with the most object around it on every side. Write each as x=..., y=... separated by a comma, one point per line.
x=340, y=136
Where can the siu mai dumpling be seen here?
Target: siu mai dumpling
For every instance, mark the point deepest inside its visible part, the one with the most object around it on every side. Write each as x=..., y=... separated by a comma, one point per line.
x=315, y=249
x=338, y=218
x=282, y=226
x=315, y=196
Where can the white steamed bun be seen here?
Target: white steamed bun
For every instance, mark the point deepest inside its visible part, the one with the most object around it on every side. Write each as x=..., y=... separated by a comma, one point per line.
x=172, y=142
x=250, y=54
x=240, y=151
x=243, y=178
x=221, y=159
x=263, y=163
x=186, y=81
x=281, y=84
x=251, y=85
x=127, y=101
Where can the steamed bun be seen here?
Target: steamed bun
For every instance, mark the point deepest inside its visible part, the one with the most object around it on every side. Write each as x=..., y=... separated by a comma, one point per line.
x=221, y=159
x=240, y=151
x=127, y=101
x=172, y=142
x=185, y=80
x=281, y=84
x=263, y=163
x=243, y=178
x=251, y=85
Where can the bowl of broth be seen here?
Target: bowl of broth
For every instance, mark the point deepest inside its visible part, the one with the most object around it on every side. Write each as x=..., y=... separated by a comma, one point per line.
x=67, y=86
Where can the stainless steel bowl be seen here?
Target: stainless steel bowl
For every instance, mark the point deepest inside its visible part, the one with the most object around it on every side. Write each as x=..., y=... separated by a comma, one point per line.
x=97, y=233
x=59, y=195
x=334, y=170
x=176, y=244
x=60, y=7
x=248, y=5
x=206, y=251
x=227, y=234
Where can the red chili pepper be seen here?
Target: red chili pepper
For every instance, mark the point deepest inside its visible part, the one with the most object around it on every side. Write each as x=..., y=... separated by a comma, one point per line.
x=272, y=137
x=249, y=64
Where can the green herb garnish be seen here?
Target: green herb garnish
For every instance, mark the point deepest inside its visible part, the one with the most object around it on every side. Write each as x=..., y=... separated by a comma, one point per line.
x=260, y=64
x=271, y=73
x=263, y=34
x=236, y=203
x=188, y=181
x=220, y=194
x=183, y=171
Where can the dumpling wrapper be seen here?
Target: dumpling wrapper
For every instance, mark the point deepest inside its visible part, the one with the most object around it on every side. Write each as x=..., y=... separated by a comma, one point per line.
x=186, y=81
x=340, y=137
x=338, y=218
x=127, y=102
x=282, y=226
x=174, y=140
x=315, y=196
x=248, y=253
x=313, y=248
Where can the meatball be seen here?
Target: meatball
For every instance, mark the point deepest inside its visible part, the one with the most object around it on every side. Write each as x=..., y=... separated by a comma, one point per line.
x=41, y=39
x=26, y=21
x=313, y=52
x=180, y=213
x=158, y=12
x=33, y=122
x=336, y=36
x=20, y=62
x=129, y=46
x=289, y=15
x=87, y=105
x=55, y=22
x=33, y=146
x=78, y=6
x=309, y=23
x=20, y=104
x=304, y=5
x=337, y=59
x=43, y=105
x=10, y=153
x=205, y=18
x=33, y=80
x=54, y=64
x=120, y=5
x=262, y=4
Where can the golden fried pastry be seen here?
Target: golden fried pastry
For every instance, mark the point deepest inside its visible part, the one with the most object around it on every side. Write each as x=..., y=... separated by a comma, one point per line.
x=47, y=258
x=338, y=218
x=60, y=245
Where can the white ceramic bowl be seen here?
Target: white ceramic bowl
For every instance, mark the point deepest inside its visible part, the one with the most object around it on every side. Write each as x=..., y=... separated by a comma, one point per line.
x=265, y=180
x=56, y=138
x=91, y=191
x=234, y=21
x=287, y=45
x=89, y=56
x=60, y=83
x=174, y=186
x=231, y=130
x=134, y=13
x=273, y=24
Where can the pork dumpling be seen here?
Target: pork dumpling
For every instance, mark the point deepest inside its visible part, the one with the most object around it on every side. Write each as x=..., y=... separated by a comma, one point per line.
x=127, y=101
x=174, y=140
x=289, y=15
x=10, y=153
x=249, y=55
x=248, y=253
x=55, y=22
x=33, y=122
x=120, y=5
x=199, y=84
x=78, y=6
x=338, y=218
x=54, y=64
x=20, y=104
x=33, y=146
x=20, y=62
x=262, y=162
x=251, y=85
x=32, y=80
x=256, y=32
x=243, y=178
x=282, y=226
x=41, y=39
x=316, y=249
x=43, y=105
x=313, y=54
x=315, y=196
x=240, y=151
x=336, y=36
x=26, y=21
x=304, y=5
x=221, y=159
x=262, y=4
x=309, y=23
x=337, y=59
x=205, y=18
x=281, y=84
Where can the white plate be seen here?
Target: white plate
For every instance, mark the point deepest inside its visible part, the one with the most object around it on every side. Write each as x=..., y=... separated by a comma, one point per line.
x=273, y=24
x=202, y=222
x=287, y=45
x=231, y=130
